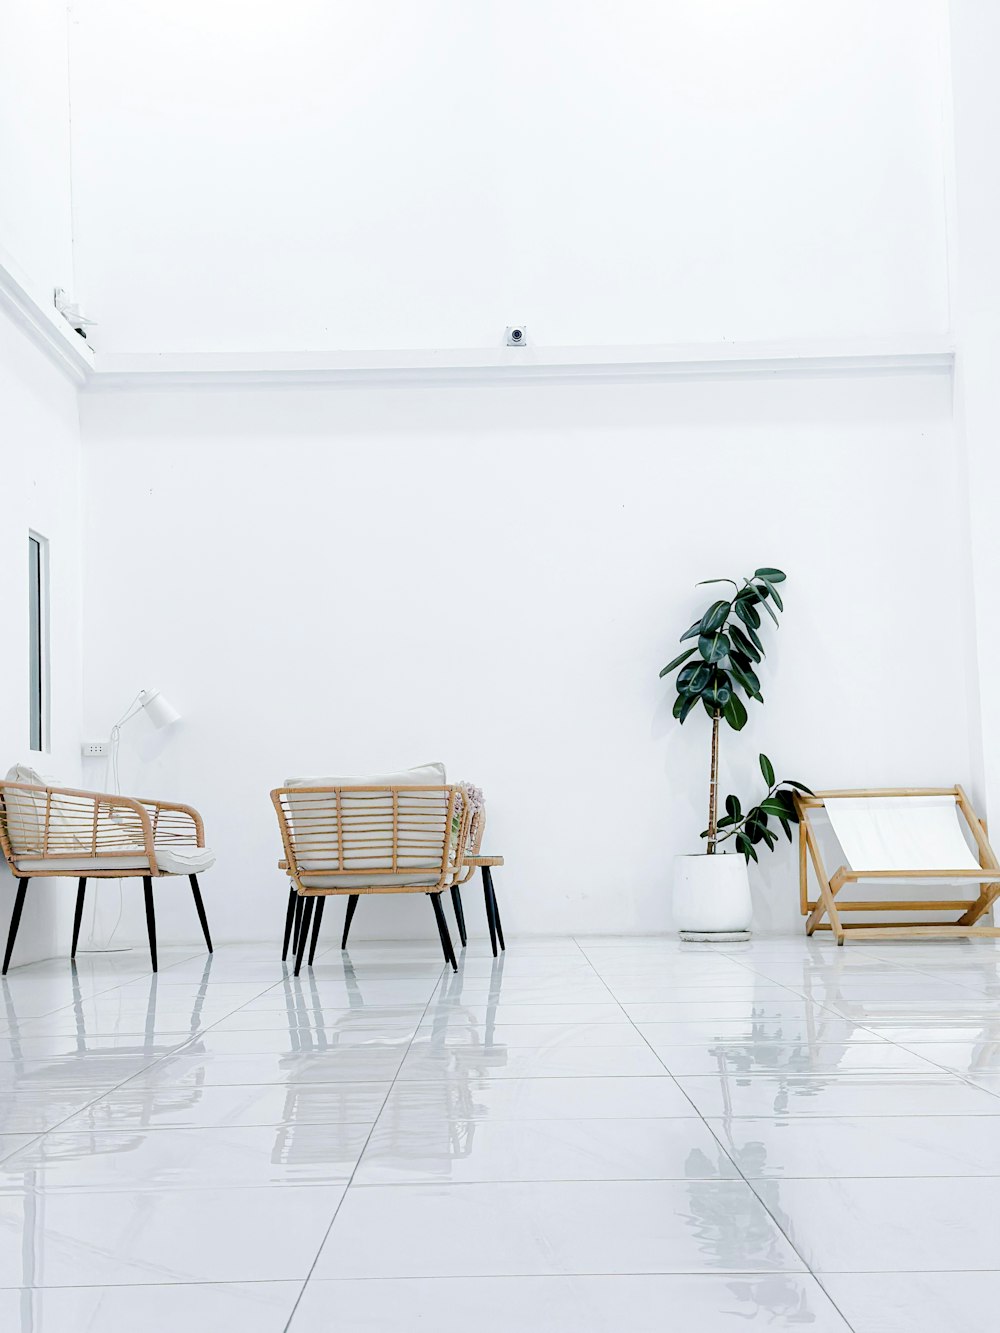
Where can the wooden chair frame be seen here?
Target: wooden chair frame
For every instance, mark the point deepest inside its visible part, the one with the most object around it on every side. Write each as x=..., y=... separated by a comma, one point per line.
x=320, y=831
x=75, y=826
x=828, y=905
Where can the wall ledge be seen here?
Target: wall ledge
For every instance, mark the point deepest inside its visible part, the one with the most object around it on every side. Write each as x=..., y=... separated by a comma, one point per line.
x=522, y=365
x=43, y=324
x=97, y=371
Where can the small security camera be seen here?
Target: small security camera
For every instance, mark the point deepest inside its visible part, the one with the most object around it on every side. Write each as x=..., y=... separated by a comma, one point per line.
x=517, y=335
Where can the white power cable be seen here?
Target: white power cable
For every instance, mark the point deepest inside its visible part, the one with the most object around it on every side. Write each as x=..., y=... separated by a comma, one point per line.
x=115, y=777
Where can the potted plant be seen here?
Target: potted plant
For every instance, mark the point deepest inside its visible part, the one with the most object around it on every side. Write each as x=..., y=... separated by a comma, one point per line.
x=712, y=891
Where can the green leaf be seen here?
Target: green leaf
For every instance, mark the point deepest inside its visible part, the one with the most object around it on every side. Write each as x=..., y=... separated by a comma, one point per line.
x=752, y=631
x=714, y=647
x=735, y=713
x=693, y=678
x=681, y=657
x=756, y=824
x=788, y=801
x=743, y=643
x=767, y=607
x=799, y=786
x=691, y=633
x=748, y=613
x=743, y=845
x=775, y=597
x=787, y=827
x=704, y=583
x=767, y=769
x=772, y=575
x=715, y=617
x=733, y=807
x=771, y=805
x=683, y=705
x=718, y=691
x=746, y=678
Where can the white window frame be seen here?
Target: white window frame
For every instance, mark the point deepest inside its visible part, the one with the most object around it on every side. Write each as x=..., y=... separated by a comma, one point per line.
x=44, y=672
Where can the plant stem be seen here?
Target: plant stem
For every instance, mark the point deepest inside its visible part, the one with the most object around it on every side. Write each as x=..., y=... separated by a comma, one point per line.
x=713, y=786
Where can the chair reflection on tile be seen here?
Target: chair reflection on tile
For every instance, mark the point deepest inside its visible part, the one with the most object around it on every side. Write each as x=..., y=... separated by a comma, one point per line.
x=156, y=1100
x=453, y=1119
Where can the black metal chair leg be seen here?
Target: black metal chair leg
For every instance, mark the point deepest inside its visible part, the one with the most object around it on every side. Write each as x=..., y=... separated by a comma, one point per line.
x=201, y=910
x=491, y=920
x=456, y=902
x=297, y=924
x=147, y=885
x=488, y=881
x=352, y=906
x=15, y=921
x=320, y=904
x=442, y=925
x=300, y=953
x=78, y=914
x=289, y=917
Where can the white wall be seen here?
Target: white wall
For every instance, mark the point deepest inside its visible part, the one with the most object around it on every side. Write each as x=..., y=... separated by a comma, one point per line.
x=35, y=221
x=40, y=466
x=975, y=42
x=333, y=175
x=352, y=580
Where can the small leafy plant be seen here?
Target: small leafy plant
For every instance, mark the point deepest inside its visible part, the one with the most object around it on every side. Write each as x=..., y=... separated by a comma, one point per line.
x=751, y=828
x=728, y=647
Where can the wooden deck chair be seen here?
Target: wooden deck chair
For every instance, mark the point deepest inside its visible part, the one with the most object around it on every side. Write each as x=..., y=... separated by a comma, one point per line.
x=899, y=834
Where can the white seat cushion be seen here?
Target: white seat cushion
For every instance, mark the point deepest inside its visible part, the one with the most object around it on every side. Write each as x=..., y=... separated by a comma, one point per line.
x=171, y=859
x=334, y=879
x=424, y=775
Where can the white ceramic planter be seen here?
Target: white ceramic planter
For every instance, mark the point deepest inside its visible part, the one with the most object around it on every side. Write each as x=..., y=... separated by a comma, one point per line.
x=712, y=896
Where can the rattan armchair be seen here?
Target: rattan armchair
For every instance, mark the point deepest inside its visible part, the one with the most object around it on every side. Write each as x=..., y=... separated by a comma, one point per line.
x=60, y=832
x=354, y=840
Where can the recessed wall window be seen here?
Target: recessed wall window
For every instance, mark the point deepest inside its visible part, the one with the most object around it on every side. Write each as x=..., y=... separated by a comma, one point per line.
x=38, y=647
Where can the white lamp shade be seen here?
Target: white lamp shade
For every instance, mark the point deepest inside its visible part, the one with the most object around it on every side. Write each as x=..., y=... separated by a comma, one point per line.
x=159, y=709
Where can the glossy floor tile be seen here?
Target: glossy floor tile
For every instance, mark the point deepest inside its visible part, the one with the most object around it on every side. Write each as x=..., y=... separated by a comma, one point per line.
x=606, y=1304
x=473, y=1151
x=848, y=1094
x=290, y=1153
x=769, y=1056
x=231, y=1104
x=876, y=1146
x=429, y=1058
x=596, y=1134
x=251, y=1307
x=917, y=1302
x=554, y=1227
x=488, y=1098
x=205, y=1235
x=865, y=1226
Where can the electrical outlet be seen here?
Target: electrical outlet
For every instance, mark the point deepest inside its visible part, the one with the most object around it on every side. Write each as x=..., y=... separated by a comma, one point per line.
x=95, y=749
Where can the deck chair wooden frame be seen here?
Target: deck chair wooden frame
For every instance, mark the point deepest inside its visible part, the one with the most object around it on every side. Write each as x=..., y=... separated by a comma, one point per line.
x=830, y=906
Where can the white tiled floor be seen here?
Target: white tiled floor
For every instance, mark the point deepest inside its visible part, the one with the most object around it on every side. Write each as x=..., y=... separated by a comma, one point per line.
x=589, y=1136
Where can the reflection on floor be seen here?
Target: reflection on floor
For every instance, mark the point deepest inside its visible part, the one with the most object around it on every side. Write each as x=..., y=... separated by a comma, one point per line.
x=620, y=1135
